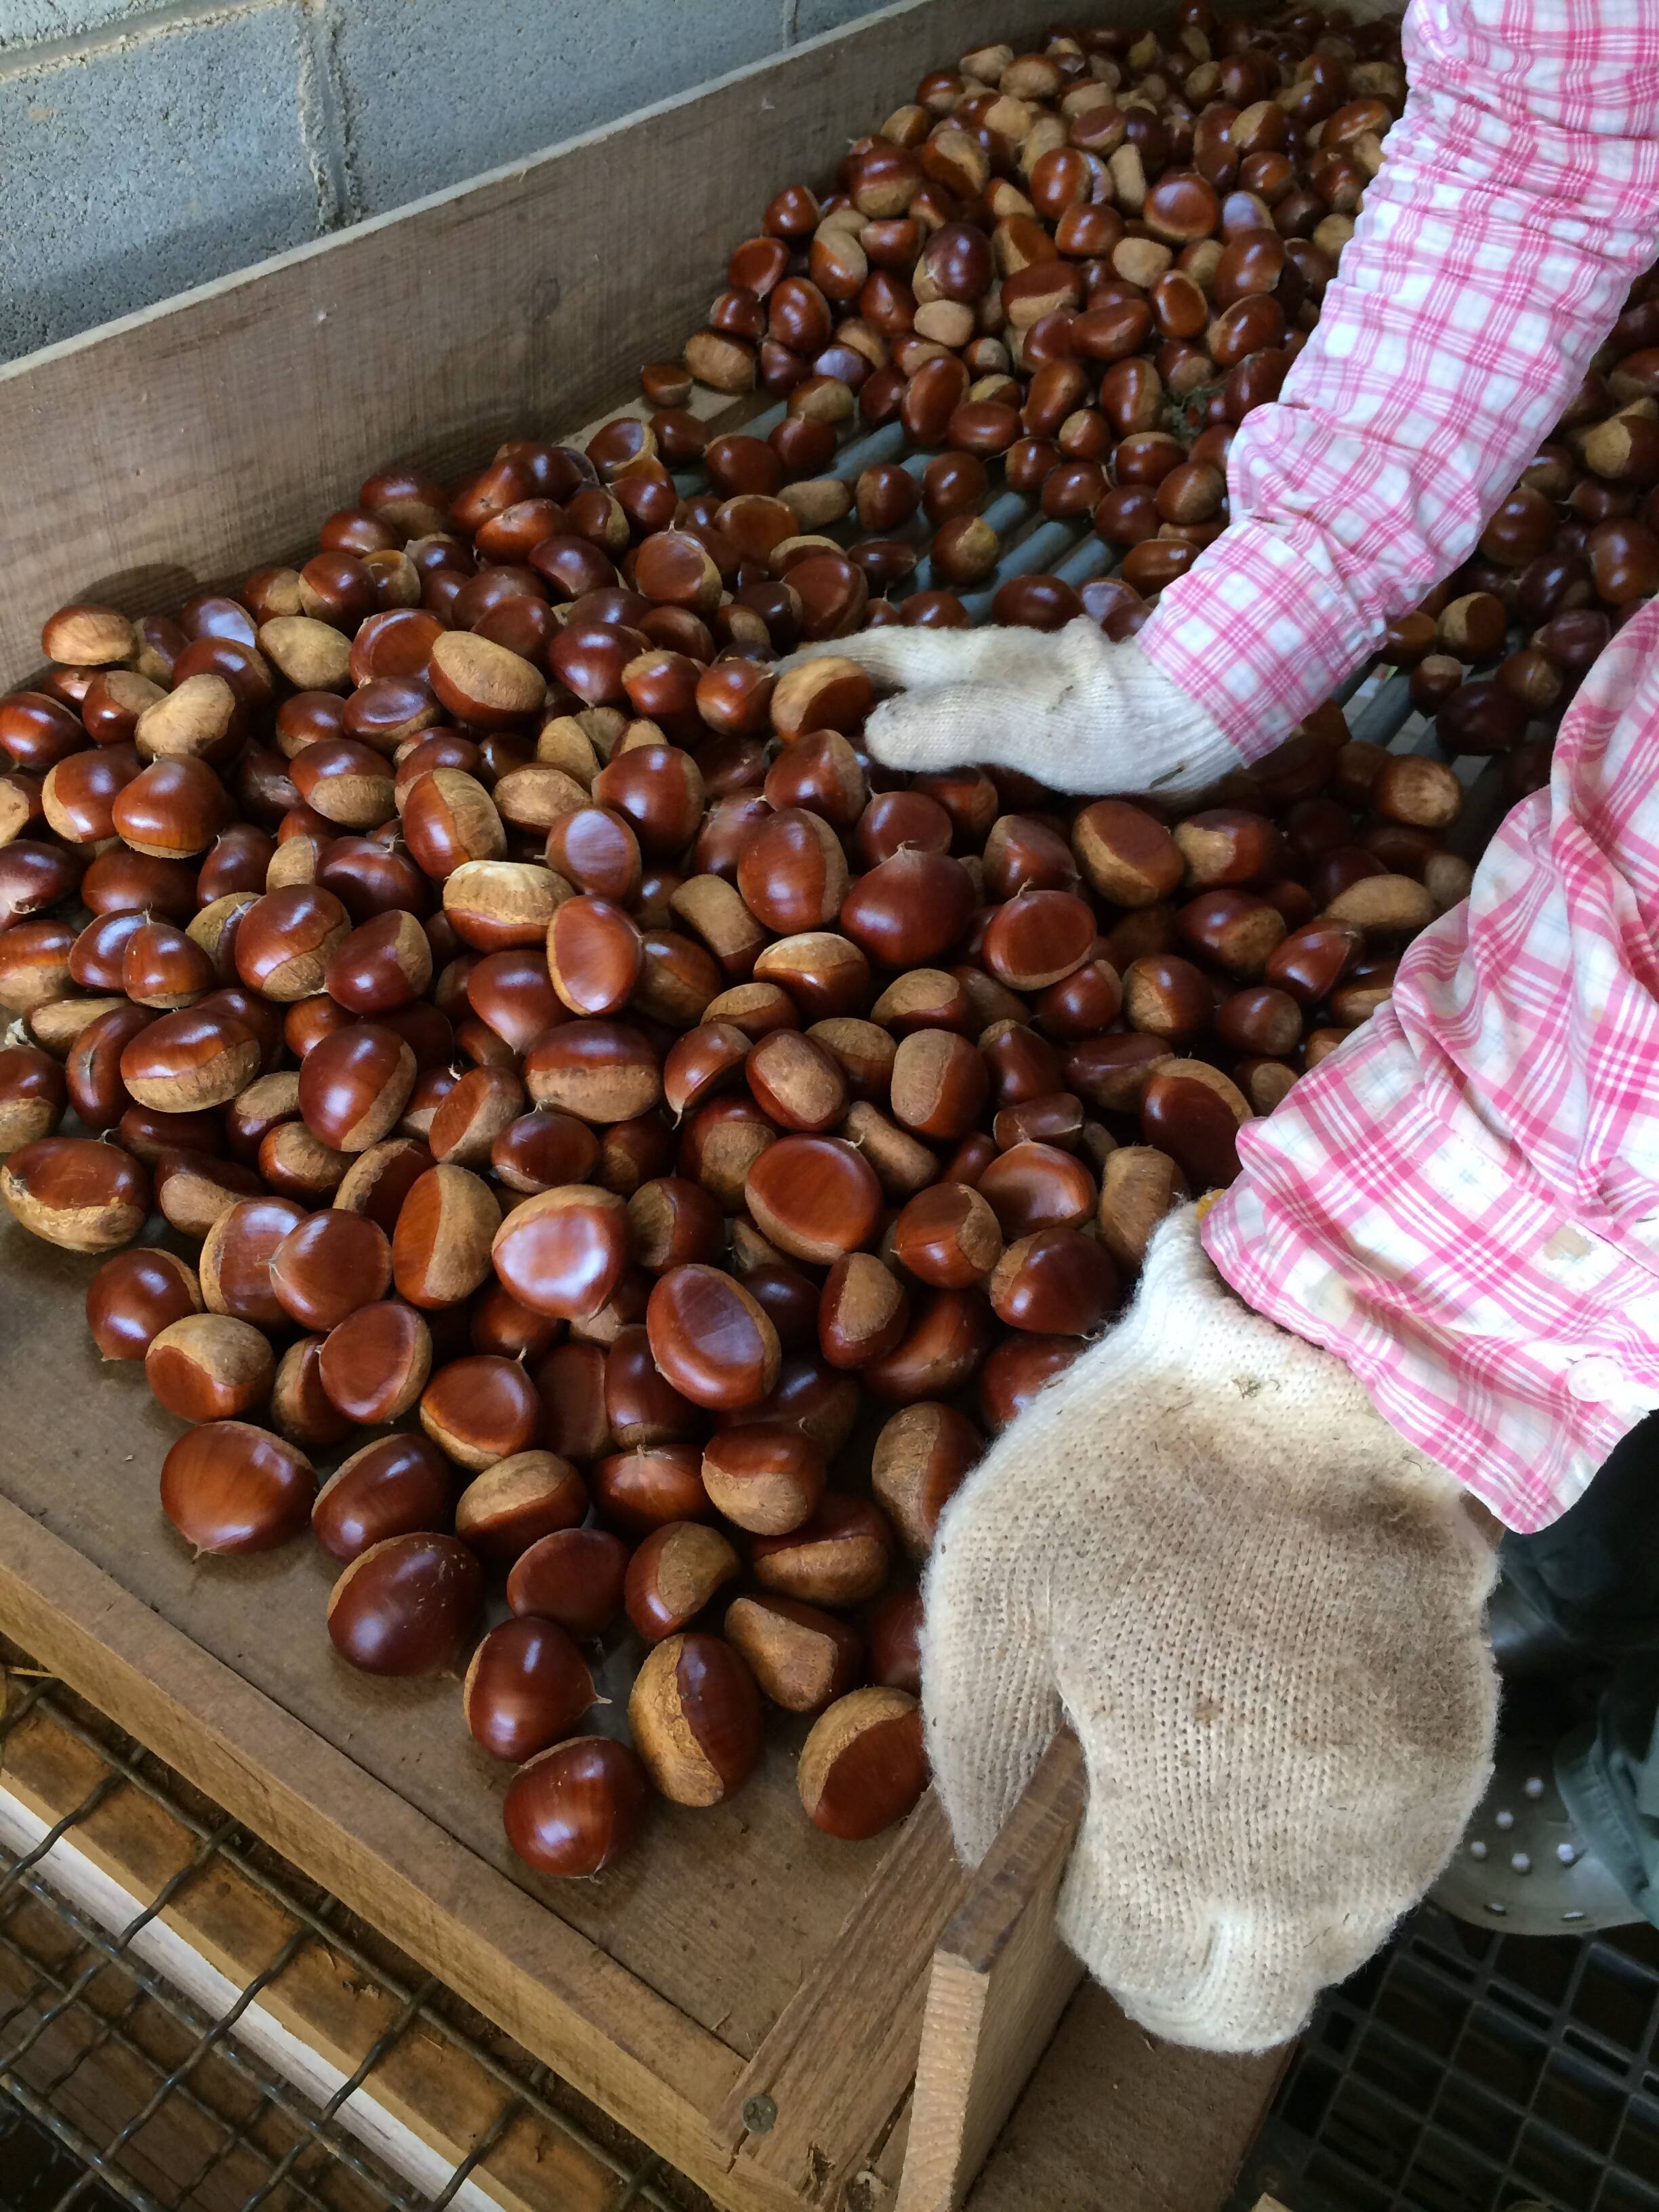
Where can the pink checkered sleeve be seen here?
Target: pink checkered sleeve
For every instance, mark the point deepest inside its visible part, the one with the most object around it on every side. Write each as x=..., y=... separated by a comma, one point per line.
x=1462, y=1202
x=1518, y=197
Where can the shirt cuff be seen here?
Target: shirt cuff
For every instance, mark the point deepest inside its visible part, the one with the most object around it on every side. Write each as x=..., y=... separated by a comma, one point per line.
x=1499, y=1336
x=1257, y=631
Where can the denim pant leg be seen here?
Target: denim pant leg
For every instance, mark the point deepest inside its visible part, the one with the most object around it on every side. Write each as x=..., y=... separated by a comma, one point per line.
x=1609, y=1773
x=1594, y=1574
x=1594, y=1577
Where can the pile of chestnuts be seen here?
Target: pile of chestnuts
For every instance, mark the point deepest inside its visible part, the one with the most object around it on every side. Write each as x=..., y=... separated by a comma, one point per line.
x=635, y=1145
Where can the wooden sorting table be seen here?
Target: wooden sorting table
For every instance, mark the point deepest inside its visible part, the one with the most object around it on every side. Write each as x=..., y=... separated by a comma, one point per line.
x=745, y=1994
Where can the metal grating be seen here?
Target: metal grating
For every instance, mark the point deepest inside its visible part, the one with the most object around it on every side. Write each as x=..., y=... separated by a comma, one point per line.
x=1462, y=2070
x=118, y=2089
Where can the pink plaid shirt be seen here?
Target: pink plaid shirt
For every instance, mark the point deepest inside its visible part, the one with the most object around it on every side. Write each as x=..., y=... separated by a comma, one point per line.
x=1463, y=1202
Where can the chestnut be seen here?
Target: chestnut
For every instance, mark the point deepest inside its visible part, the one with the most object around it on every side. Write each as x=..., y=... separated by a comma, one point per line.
x=407, y=1606
x=921, y=1457
x=906, y=910
x=398, y=1486
x=384, y=964
x=480, y=1409
x=672, y=1223
x=695, y=1715
x=863, y=1765
x=1058, y=1282
x=285, y=940
x=947, y=1236
x=577, y=1807
x=673, y=1574
x=863, y=1313
x=1018, y=1369
x=231, y=1487
x=801, y=1656
x=440, y=1247
x=563, y=1251
x=328, y=1266
x=839, y=1556
x=135, y=1296
x=766, y=1476
x=32, y=1096
x=209, y=1367
x=75, y=1192
x=646, y=1487
x=300, y=1409
x=187, y=1061
x=598, y=1070
x=517, y=1499
x=895, y=1636
x=375, y=1364
x=1127, y=856
x=712, y=1340
x=815, y=1197
x=526, y=1686
x=574, y=1576
x=1035, y=1186
x=939, y=1084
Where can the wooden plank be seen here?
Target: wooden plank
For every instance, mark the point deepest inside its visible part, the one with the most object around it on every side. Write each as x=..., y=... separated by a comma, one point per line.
x=1000, y=1979
x=559, y=1995
x=1113, y=2117
x=186, y=445
x=425, y=2106
x=838, y=2064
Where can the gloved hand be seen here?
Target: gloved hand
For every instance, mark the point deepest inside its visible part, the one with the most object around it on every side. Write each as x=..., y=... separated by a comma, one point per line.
x=1261, y=1610
x=1068, y=706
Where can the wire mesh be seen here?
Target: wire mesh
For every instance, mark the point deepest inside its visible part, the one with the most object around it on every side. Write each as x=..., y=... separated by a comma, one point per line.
x=118, y=2088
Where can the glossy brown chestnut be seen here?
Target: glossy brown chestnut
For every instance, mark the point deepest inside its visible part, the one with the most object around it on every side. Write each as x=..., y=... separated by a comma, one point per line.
x=75, y=1192
x=375, y=1364
x=673, y=1574
x=230, y=1487
x=574, y=1576
x=923, y=1454
x=947, y=1236
x=711, y=1338
x=440, y=1247
x=1058, y=1282
x=839, y=1556
x=398, y=1486
x=766, y=1476
x=480, y=1409
x=526, y=1686
x=863, y=1767
x=408, y=1605
x=577, y=1807
x=135, y=1296
x=328, y=1266
x=694, y=1716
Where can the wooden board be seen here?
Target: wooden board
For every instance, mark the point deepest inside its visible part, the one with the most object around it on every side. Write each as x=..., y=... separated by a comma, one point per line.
x=187, y=444
x=1000, y=1979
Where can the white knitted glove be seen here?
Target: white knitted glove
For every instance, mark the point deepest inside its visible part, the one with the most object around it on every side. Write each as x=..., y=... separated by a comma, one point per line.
x=1260, y=1609
x=1068, y=706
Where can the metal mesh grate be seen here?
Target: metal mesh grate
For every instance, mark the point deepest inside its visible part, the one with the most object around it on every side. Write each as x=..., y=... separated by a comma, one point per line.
x=1467, y=2071
x=118, y=2088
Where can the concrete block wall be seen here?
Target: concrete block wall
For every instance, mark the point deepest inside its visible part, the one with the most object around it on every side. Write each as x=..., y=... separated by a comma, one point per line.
x=149, y=145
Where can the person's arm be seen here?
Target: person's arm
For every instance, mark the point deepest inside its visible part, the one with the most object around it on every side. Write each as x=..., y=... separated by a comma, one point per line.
x=1517, y=199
